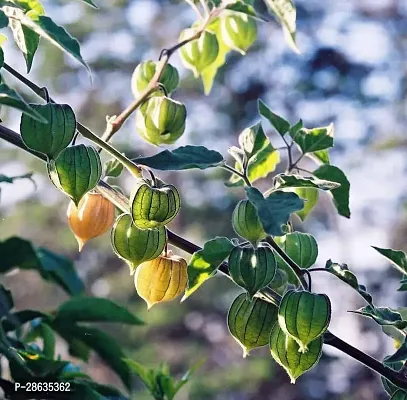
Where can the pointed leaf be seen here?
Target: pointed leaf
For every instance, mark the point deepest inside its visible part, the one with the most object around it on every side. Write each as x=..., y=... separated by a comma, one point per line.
x=91, y=3
x=46, y=27
x=252, y=140
x=383, y=316
x=26, y=39
x=113, y=168
x=274, y=211
x=95, y=309
x=344, y=274
x=16, y=252
x=280, y=124
x=182, y=158
x=298, y=181
x=397, y=258
x=205, y=262
x=310, y=197
x=208, y=74
x=102, y=343
x=286, y=14
x=400, y=355
x=145, y=374
x=9, y=97
x=316, y=139
x=341, y=194
x=320, y=157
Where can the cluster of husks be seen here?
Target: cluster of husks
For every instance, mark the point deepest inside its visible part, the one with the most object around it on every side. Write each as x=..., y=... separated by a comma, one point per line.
x=294, y=329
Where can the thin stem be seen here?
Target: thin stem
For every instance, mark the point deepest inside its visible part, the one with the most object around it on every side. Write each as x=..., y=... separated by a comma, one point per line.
x=296, y=269
x=290, y=156
x=132, y=167
x=318, y=270
x=330, y=339
x=296, y=162
x=235, y=171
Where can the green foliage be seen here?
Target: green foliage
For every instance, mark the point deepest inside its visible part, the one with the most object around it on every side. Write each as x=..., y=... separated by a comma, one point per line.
x=383, y=316
x=159, y=382
x=342, y=272
x=19, y=253
x=204, y=263
x=182, y=158
x=341, y=194
x=275, y=209
x=316, y=139
x=10, y=98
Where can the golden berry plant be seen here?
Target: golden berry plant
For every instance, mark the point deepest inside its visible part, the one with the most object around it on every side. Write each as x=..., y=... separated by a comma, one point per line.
x=271, y=261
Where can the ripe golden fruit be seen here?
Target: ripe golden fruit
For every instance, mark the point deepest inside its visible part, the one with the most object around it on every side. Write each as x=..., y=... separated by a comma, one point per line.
x=161, y=279
x=93, y=217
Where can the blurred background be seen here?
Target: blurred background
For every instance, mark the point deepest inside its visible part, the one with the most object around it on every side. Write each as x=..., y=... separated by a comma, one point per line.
x=352, y=71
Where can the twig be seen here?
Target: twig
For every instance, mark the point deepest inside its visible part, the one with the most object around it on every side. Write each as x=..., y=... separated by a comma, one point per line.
x=235, y=171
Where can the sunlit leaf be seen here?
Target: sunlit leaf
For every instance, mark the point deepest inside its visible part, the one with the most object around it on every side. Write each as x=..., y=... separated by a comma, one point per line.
x=205, y=262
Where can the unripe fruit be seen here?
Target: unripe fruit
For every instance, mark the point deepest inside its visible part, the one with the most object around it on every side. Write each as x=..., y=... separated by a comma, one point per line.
x=302, y=248
x=92, y=218
x=285, y=352
x=239, y=31
x=152, y=207
x=135, y=245
x=161, y=120
x=252, y=269
x=304, y=316
x=76, y=171
x=145, y=71
x=246, y=222
x=200, y=53
x=53, y=137
x=250, y=322
x=161, y=279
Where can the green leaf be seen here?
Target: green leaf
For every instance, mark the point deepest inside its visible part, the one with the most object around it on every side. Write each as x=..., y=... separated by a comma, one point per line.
x=18, y=318
x=262, y=156
x=48, y=339
x=26, y=39
x=310, y=197
x=274, y=211
x=263, y=163
x=205, y=262
x=182, y=158
x=320, y=157
x=16, y=252
x=397, y=258
x=341, y=194
x=102, y=343
x=403, y=285
x=30, y=5
x=94, y=309
x=316, y=139
x=3, y=19
x=46, y=28
x=10, y=98
x=11, y=179
x=298, y=181
x=146, y=375
x=280, y=124
x=113, y=168
x=383, y=316
x=342, y=272
x=400, y=355
x=91, y=3
x=242, y=7
x=286, y=14
x=208, y=74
